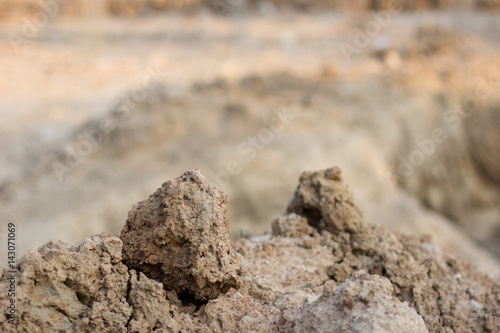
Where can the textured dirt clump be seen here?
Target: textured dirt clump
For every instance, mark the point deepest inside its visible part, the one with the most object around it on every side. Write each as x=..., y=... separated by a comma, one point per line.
x=291, y=225
x=323, y=199
x=65, y=288
x=179, y=236
x=378, y=310
x=321, y=269
x=448, y=293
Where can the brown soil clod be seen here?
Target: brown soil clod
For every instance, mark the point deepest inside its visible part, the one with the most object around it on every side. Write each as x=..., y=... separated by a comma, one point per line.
x=325, y=201
x=179, y=236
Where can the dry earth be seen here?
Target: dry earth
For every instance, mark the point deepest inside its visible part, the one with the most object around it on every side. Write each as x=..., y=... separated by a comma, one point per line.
x=323, y=269
x=262, y=95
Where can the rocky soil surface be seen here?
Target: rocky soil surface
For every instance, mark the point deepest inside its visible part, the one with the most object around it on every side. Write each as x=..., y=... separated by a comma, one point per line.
x=106, y=100
x=110, y=107
x=323, y=268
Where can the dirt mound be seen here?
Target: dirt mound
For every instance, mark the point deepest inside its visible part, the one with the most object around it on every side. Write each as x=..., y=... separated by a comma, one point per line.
x=323, y=266
x=351, y=131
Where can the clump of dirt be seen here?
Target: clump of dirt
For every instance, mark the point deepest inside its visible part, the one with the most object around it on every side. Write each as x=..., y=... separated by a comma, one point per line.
x=324, y=200
x=179, y=236
x=380, y=311
x=322, y=267
x=63, y=288
x=446, y=292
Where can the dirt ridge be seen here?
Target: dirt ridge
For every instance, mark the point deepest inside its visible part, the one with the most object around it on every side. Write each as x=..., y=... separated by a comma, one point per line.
x=322, y=267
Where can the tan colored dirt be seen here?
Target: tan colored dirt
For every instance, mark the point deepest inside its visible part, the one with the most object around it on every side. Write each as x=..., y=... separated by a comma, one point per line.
x=306, y=276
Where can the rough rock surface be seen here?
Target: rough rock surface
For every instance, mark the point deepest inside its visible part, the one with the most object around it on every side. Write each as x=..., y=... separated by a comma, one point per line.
x=324, y=200
x=179, y=236
x=448, y=293
x=66, y=289
x=291, y=225
x=321, y=269
x=364, y=303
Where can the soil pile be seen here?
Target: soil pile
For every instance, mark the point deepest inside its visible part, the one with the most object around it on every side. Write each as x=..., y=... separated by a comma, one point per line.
x=375, y=118
x=322, y=267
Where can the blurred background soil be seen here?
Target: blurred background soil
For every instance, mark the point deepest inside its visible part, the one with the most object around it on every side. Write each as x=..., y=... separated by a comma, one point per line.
x=102, y=101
